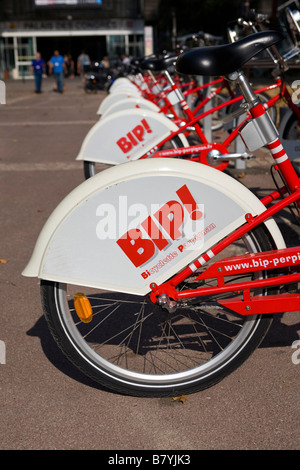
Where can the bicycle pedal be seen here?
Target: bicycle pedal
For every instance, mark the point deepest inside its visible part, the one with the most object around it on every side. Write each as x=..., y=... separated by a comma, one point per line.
x=215, y=156
x=242, y=156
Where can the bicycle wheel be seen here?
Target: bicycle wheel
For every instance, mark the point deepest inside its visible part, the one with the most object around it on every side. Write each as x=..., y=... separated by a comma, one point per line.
x=292, y=129
x=217, y=116
x=137, y=348
x=92, y=168
x=289, y=132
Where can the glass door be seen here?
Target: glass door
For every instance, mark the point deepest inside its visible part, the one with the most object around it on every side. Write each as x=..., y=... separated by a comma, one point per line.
x=24, y=53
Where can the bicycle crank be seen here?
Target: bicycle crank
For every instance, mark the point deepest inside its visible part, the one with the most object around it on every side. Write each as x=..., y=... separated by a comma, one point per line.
x=215, y=156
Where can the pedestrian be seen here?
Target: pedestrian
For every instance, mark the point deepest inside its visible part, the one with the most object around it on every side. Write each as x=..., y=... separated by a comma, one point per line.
x=83, y=62
x=69, y=64
x=125, y=63
x=125, y=60
x=38, y=68
x=57, y=68
x=105, y=62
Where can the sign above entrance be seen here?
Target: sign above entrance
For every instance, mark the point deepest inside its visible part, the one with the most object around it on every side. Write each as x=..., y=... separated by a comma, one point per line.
x=67, y=2
x=73, y=28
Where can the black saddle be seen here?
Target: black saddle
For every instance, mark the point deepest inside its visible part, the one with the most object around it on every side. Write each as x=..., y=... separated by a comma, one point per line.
x=157, y=65
x=227, y=58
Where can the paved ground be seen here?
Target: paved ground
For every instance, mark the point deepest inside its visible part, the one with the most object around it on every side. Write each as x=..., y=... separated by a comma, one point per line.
x=44, y=402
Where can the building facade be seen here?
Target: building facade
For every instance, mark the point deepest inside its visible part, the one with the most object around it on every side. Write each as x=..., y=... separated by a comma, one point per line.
x=100, y=27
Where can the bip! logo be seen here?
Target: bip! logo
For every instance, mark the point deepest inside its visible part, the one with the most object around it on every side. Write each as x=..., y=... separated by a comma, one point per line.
x=134, y=137
x=169, y=220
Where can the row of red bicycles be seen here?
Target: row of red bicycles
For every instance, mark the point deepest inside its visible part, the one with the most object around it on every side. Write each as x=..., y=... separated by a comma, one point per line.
x=197, y=110
x=161, y=274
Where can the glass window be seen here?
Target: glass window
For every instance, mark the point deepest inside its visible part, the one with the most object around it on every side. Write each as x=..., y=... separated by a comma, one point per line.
x=116, y=46
x=136, y=45
x=7, y=58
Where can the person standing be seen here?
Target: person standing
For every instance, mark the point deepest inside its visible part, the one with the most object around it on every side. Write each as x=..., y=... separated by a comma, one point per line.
x=38, y=67
x=57, y=68
x=69, y=64
x=83, y=62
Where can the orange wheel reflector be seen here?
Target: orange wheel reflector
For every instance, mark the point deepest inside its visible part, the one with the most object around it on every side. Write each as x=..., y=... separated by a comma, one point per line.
x=83, y=307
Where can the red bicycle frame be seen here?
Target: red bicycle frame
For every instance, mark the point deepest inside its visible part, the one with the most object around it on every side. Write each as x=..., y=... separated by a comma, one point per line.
x=284, y=258
x=201, y=150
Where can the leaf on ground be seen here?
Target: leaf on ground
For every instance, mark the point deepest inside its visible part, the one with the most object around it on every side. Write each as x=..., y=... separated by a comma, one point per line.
x=181, y=399
x=3, y=261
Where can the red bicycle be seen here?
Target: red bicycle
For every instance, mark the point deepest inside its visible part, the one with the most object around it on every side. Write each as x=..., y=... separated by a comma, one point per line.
x=178, y=298
x=215, y=153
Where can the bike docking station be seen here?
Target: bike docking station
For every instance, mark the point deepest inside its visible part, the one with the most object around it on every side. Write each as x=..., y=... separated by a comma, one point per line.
x=175, y=298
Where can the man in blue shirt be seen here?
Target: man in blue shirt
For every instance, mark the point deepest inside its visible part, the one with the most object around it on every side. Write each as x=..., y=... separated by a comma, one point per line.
x=57, y=68
x=38, y=67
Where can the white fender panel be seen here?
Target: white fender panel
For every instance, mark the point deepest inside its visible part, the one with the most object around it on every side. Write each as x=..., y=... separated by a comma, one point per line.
x=115, y=98
x=124, y=136
x=121, y=82
x=73, y=246
x=130, y=103
x=125, y=89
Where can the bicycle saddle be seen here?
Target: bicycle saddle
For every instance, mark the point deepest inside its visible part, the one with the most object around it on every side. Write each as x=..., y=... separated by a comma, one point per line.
x=157, y=65
x=226, y=58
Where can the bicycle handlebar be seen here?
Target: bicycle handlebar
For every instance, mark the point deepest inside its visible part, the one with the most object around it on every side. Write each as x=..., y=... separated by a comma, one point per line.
x=254, y=16
x=255, y=22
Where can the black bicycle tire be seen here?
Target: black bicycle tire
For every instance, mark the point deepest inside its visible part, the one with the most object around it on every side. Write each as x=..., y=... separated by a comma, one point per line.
x=287, y=131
